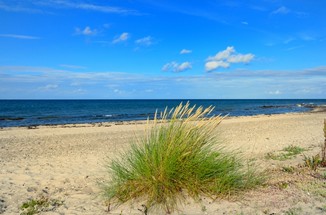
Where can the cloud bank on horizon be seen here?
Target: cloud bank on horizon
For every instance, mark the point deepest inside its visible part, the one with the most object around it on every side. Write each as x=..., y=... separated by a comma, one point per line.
x=162, y=49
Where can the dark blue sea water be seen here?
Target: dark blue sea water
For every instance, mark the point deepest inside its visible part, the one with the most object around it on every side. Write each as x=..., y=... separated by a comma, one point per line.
x=52, y=112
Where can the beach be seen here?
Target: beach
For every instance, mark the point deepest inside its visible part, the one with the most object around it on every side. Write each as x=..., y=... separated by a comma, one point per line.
x=68, y=163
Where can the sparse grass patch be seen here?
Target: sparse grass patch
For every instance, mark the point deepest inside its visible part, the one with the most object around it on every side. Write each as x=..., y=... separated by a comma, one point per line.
x=324, y=175
x=288, y=169
x=293, y=150
x=315, y=187
x=283, y=185
x=323, y=208
x=203, y=208
x=41, y=204
x=293, y=211
x=179, y=156
x=312, y=162
x=323, y=148
x=319, y=160
x=287, y=153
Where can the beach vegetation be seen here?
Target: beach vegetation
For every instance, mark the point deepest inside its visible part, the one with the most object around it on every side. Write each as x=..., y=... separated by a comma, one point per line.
x=312, y=162
x=35, y=206
x=323, y=208
x=288, y=169
x=293, y=211
x=282, y=185
x=286, y=153
x=204, y=208
x=293, y=150
x=324, y=175
x=323, y=148
x=315, y=187
x=179, y=156
x=318, y=160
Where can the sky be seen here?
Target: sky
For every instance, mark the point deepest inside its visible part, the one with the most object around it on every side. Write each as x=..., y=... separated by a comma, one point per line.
x=162, y=49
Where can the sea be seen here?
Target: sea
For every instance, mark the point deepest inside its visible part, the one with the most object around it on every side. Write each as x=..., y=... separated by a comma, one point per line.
x=16, y=113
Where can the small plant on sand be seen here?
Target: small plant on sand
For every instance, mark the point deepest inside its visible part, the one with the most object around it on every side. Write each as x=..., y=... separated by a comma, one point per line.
x=203, y=208
x=314, y=162
x=323, y=175
x=35, y=206
x=293, y=150
x=323, y=208
x=293, y=211
x=178, y=157
x=323, y=148
x=288, y=169
x=287, y=153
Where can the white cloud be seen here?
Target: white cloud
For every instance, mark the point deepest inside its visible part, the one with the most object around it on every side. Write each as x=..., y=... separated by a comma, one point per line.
x=87, y=6
x=169, y=66
x=87, y=31
x=306, y=36
x=276, y=92
x=145, y=41
x=288, y=40
x=184, y=66
x=212, y=65
x=240, y=58
x=19, y=36
x=49, y=87
x=224, y=59
x=244, y=23
x=79, y=91
x=185, y=51
x=123, y=37
x=222, y=55
x=29, y=6
x=15, y=7
x=176, y=67
x=281, y=10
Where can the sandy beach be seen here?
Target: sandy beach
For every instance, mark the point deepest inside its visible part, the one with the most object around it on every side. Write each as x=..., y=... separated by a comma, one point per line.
x=67, y=162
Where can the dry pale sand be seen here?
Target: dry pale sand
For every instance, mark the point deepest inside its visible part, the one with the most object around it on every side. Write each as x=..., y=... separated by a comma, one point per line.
x=67, y=162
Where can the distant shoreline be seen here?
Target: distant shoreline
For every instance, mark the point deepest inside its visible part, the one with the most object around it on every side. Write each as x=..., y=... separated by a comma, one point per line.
x=33, y=113
x=315, y=110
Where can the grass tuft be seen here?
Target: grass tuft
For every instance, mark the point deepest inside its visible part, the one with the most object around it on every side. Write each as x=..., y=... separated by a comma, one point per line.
x=316, y=161
x=323, y=148
x=179, y=156
x=42, y=204
x=312, y=162
x=287, y=153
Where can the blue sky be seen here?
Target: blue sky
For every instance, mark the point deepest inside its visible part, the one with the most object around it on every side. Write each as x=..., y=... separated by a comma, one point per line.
x=146, y=49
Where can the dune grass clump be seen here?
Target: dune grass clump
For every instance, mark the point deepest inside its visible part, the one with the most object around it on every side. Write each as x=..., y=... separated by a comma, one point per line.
x=178, y=157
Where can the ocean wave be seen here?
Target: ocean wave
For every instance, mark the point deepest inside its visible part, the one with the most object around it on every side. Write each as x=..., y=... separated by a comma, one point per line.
x=11, y=118
x=309, y=105
x=48, y=117
x=275, y=106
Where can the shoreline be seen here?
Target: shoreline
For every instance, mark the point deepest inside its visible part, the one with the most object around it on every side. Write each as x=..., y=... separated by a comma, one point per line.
x=66, y=163
x=316, y=109
x=87, y=114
